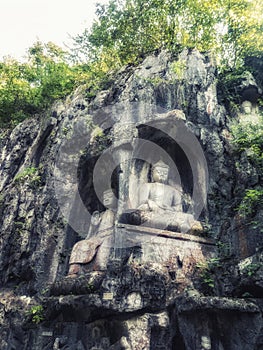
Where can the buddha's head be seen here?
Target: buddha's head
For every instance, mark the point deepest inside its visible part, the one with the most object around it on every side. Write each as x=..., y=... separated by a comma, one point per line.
x=160, y=172
x=109, y=199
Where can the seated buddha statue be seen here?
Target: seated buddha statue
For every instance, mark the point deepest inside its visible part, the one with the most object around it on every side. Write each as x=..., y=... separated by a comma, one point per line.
x=162, y=208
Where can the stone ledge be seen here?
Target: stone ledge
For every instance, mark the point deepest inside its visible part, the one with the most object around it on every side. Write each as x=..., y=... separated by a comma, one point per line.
x=188, y=304
x=166, y=234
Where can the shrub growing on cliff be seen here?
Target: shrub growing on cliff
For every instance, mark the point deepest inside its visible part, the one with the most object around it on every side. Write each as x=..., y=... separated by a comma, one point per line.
x=248, y=137
x=30, y=176
x=36, y=314
x=207, y=270
x=253, y=198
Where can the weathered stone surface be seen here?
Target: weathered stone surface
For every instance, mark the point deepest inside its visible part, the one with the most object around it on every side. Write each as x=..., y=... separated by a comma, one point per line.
x=192, y=323
x=219, y=323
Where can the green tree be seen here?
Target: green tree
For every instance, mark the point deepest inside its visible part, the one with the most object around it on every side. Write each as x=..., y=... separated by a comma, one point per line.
x=51, y=74
x=29, y=88
x=124, y=32
x=16, y=93
x=127, y=30
x=241, y=36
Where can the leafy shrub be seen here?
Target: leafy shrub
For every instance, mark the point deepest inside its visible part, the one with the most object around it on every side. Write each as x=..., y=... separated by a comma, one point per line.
x=36, y=313
x=252, y=199
x=248, y=136
x=207, y=269
x=29, y=175
x=251, y=269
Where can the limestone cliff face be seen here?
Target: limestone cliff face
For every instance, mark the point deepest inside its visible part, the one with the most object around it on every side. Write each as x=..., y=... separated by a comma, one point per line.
x=48, y=192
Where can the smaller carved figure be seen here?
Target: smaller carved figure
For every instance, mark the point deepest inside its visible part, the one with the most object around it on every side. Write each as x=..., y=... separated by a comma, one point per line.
x=247, y=108
x=92, y=253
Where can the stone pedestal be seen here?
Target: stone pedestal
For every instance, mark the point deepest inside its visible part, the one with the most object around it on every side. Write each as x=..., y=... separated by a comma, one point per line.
x=177, y=252
x=144, y=264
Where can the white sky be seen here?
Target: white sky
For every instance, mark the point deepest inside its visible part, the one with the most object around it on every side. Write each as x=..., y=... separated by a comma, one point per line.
x=23, y=22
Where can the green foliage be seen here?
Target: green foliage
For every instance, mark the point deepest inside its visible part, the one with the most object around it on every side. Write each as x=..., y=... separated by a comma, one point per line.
x=36, y=313
x=89, y=288
x=253, y=198
x=29, y=175
x=248, y=136
x=124, y=32
x=240, y=27
x=228, y=80
x=207, y=269
x=251, y=269
x=224, y=249
x=127, y=30
x=155, y=81
x=29, y=88
x=178, y=67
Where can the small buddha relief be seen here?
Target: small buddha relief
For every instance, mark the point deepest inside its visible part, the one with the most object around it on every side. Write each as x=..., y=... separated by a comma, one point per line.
x=92, y=253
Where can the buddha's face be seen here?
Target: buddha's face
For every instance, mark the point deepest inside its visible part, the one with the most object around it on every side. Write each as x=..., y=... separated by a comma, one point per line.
x=160, y=174
x=109, y=200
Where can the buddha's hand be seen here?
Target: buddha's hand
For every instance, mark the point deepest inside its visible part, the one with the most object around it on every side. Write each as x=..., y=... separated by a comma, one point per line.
x=167, y=207
x=153, y=206
x=144, y=207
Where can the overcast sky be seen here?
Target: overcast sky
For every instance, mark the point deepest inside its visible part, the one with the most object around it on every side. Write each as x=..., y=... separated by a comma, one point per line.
x=23, y=22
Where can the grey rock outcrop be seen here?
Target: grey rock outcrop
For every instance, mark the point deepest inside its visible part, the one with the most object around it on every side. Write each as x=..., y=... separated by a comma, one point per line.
x=48, y=193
